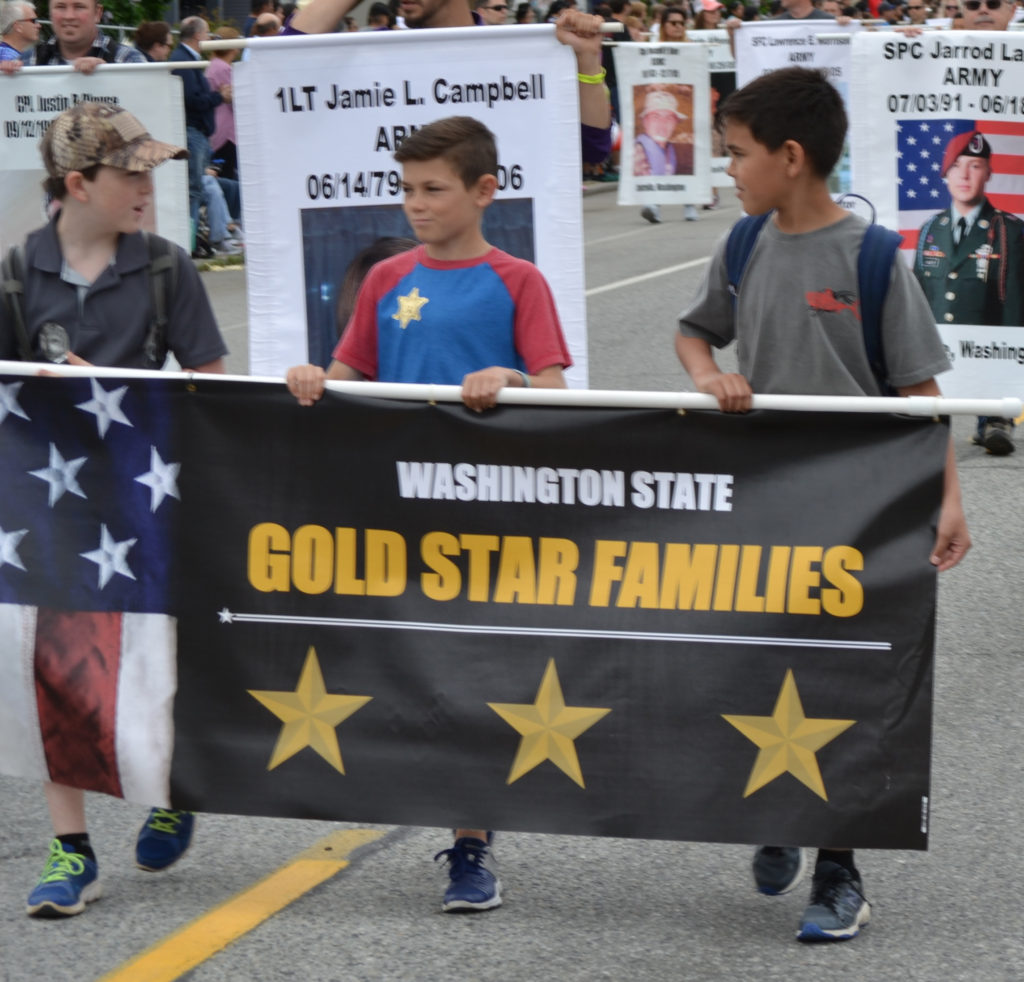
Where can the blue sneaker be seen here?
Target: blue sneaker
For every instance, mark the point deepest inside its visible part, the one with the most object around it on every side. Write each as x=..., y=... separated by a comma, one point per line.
x=163, y=839
x=68, y=883
x=473, y=886
x=777, y=869
x=838, y=908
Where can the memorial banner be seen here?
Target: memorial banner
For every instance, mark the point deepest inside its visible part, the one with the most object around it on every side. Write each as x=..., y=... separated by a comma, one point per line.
x=665, y=97
x=722, y=69
x=318, y=120
x=594, y=621
x=764, y=46
x=938, y=134
x=34, y=97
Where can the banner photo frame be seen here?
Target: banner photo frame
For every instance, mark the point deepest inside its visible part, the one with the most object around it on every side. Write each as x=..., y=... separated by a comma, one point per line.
x=345, y=100
x=764, y=46
x=376, y=634
x=665, y=97
x=915, y=100
x=32, y=98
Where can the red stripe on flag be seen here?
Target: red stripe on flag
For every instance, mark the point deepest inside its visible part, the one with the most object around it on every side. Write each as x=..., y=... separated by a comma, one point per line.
x=999, y=126
x=910, y=236
x=1007, y=163
x=1013, y=203
x=77, y=659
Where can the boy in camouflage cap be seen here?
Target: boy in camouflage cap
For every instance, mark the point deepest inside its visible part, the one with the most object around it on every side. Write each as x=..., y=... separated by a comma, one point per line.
x=89, y=296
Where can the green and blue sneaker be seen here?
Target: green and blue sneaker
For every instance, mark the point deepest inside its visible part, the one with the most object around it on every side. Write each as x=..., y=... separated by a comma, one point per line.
x=163, y=839
x=68, y=883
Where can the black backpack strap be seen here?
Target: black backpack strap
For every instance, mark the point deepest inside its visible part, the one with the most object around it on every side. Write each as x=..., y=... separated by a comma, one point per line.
x=109, y=46
x=13, y=268
x=738, y=247
x=163, y=282
x=874, y=271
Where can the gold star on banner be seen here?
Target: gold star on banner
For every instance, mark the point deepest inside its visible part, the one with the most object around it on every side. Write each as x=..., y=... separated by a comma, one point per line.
x=310, y=716
x=409, y=308
x=548, y=728
x=788, y=741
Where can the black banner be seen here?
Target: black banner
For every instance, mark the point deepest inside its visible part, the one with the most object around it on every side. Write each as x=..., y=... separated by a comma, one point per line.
x=604, y=622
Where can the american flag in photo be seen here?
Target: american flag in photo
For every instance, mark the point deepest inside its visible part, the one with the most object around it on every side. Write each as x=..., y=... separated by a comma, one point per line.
x=920, y=146
x=88, y=649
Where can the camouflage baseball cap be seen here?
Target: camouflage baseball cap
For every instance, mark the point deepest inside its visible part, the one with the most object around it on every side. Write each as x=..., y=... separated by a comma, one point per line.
x=95, y=133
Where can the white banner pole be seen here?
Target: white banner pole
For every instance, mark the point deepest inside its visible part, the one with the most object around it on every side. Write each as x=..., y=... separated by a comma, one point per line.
x=589, y=398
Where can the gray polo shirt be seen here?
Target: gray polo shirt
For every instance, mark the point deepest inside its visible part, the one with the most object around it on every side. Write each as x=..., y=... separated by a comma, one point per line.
x=107, y=323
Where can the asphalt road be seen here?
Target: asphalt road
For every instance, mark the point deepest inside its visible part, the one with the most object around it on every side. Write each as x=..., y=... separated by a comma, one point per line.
x=586, y=908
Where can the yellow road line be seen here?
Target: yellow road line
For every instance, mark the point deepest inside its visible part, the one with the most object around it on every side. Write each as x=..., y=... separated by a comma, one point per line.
x=192, y=944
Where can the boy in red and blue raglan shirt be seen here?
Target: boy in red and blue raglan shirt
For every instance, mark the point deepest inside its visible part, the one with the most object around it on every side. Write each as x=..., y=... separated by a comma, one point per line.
x=453, y=311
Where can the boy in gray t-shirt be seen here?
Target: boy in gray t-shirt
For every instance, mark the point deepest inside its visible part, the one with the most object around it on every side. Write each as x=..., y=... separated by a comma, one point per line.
x=798, y=330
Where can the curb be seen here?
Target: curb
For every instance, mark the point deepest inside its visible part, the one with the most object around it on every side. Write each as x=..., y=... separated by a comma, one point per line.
x=599, y=187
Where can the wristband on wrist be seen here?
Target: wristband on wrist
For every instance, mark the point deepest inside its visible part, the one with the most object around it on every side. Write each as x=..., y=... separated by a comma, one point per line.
x=597, y=79
x=523, y=376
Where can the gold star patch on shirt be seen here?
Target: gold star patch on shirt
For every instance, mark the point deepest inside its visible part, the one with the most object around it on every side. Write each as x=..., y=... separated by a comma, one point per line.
x=409, y=308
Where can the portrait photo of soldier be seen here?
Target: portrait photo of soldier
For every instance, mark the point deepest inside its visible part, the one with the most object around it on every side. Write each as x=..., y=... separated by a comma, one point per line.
x=970, y=256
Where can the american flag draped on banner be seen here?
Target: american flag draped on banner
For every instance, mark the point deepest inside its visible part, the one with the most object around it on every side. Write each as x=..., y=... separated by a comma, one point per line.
x=920, y=145
x=87, y=640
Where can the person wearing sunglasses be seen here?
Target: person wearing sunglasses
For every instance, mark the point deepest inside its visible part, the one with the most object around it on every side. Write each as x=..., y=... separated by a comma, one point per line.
x=19, y=30
x=917, y=12
x=987, y=15
x=492, y=12
x=673, y=25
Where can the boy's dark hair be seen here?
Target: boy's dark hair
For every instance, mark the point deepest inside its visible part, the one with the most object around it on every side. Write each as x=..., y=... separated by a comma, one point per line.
x=54, y=186
x=795, y=104
x=461, y=141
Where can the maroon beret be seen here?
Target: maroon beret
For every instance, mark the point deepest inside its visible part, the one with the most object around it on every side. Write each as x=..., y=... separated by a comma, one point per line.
x=971, y=144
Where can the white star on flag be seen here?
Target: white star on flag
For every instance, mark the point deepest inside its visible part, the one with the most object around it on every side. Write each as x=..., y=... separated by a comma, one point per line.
x=60, y=475
x=161, y=479
x=111, y=557
x=9, y=401
x=9, y=548
x=105, y=406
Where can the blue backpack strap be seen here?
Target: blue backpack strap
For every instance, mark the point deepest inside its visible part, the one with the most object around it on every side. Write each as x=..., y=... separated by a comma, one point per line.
x=874, y=270
x=740, y=244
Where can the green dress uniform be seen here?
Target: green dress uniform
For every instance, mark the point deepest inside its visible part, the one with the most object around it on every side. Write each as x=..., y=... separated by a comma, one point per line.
x=981, y=279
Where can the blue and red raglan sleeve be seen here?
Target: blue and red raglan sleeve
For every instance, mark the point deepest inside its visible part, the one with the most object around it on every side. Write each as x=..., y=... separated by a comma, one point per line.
x=538, y=332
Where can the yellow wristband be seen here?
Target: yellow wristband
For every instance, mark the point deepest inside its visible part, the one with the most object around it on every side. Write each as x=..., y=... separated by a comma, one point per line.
x=597, y=79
